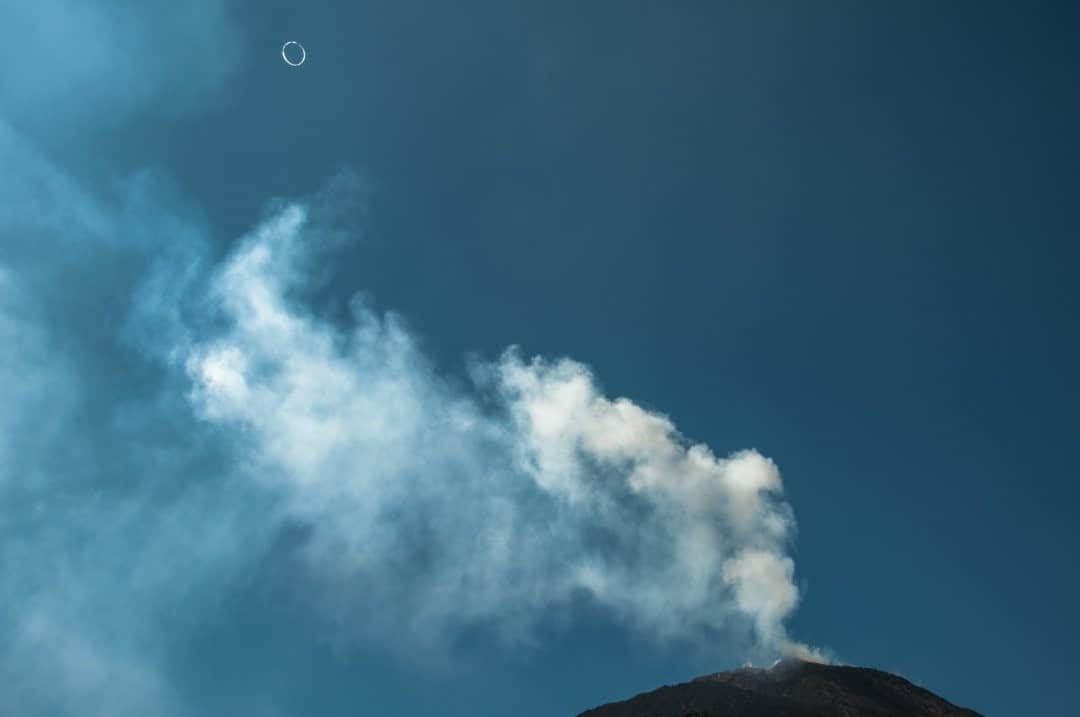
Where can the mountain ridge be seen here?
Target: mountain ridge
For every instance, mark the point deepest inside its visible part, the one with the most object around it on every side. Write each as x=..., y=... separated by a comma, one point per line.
x=792, y=688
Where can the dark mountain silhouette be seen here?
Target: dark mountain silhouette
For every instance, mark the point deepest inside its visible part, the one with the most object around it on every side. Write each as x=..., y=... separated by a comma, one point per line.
x=791, y=688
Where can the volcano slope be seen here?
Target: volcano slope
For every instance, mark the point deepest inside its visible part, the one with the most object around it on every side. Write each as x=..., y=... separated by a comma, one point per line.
x=789, y=688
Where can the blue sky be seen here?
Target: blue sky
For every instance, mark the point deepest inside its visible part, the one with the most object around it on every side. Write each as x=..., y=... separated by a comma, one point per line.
x=264, y=449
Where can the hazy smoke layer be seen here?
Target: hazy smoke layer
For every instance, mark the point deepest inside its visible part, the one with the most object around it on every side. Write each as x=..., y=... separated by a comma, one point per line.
x=123, y=521
x=445, y=506
x=119, y=58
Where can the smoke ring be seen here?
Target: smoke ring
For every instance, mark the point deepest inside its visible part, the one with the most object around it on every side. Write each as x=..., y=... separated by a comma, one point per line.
x=285, y=56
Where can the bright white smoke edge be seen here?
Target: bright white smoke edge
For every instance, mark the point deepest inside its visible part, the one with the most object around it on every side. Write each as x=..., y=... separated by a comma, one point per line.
x=441, y=507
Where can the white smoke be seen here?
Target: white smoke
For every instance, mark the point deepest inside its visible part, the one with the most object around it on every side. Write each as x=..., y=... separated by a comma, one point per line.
x=442, y=506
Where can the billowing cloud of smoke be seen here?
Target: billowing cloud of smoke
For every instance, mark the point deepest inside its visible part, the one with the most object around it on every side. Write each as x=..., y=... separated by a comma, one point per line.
x=444, y=505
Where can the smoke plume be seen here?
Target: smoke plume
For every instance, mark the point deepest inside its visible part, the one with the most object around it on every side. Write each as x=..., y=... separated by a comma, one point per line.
x=496, y=502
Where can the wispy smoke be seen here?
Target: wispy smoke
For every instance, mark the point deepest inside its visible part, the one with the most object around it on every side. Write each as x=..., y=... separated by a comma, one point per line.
x=496, y=502
x=120, y=519
x=117, y=59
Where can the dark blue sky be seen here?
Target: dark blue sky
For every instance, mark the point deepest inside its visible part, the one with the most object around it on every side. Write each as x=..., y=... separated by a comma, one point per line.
x=840, y=233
